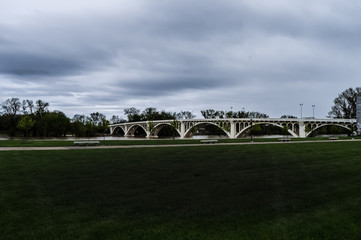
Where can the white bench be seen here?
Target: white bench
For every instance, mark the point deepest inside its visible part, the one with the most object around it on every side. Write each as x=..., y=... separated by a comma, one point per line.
x=284, y=139
x=86, y=143
x=209, y=141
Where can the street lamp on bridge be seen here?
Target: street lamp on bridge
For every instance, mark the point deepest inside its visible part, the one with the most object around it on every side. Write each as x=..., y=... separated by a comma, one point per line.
x=313, y=110
x=251, y=118
x=301, y=104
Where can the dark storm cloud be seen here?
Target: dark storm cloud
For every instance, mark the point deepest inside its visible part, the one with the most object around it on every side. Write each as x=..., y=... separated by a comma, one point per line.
x=36, y=65
x=215, y=53
x=168, y=86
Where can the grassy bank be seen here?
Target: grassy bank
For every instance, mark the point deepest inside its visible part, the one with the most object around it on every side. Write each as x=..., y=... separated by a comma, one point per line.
x=286, y=191
x=55, y=143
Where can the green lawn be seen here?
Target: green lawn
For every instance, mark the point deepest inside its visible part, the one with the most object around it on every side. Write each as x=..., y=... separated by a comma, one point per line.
x=52, y=143
x=283, y=191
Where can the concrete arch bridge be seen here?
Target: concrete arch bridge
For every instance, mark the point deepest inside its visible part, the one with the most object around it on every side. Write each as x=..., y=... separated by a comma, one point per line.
x=232, y=127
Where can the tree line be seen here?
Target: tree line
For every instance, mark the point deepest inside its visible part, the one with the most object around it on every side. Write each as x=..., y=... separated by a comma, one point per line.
x=149, y=114
x=29, y=118
x=33, y=119
x=213, y=114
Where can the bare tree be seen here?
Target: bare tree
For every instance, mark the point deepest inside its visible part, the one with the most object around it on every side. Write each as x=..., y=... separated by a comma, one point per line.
x=11, y=106
x=41, y=107
x=30, y=104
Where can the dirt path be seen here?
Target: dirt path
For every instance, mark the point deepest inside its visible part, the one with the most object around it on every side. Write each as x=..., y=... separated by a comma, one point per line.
x=163, y=146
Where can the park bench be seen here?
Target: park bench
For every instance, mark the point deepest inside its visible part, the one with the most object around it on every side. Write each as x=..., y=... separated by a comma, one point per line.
x=86, y=143
x=284, y=139
x=333, y=138
x=209, y=141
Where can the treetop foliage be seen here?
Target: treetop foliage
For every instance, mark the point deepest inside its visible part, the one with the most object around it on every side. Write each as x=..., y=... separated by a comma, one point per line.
x=36, y=120
x=212, y=114
x=345, y=104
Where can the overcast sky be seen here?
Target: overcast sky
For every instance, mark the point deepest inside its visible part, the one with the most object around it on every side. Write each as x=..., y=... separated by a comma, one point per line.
x=268, y=56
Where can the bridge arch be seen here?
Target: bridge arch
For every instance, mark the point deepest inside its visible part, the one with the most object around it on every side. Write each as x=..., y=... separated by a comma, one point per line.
x=326, y=124
x=190, y=129
x=133, y=128
x=156, y=129
x=118, y=129
x=265, y=123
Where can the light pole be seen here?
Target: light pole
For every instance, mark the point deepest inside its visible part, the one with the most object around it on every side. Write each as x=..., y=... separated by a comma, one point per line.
x=251, y=117
x=301, y=104
x=313, y=111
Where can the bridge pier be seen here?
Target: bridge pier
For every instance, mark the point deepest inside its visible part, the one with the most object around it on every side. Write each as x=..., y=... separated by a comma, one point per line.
x=302, y=130
x=182, y=130
x=233, y=133
x=358, y=115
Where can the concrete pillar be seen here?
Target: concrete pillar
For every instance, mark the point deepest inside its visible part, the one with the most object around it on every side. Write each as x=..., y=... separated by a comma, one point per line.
x=358, y=115
x=302, y=128
x=233, y=129
x=183, y=130
x=125, y=129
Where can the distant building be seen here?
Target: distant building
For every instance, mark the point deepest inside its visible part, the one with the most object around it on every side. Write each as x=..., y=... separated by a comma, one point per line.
x=358, y=115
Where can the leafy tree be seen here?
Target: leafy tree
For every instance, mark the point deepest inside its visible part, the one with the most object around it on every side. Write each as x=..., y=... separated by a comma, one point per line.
x=185, y=115
x=288, y=116
x=239, y=114
x=52, y=124
x=116, y=119
x=149, y=114
x=230, y=114
x=209, y=113
x=60, y=124
x=132, y=114
x=96, y=123
x=220, y=114
x=163, y=115
x=88, y=126
x=78, y=125
x=103, y=126
x=96, y=118
x=285, y=130
x=11, y=108
x=25, y=124
x=257, y=130
x=79, y=118
x=345, y=104
x=257, y=115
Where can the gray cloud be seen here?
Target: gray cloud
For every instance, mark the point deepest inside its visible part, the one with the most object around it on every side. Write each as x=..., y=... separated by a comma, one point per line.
x=264, y=56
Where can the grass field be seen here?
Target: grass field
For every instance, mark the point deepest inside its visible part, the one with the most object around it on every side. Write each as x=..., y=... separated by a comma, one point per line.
x=283, y=191
x=53, y=143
